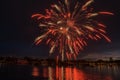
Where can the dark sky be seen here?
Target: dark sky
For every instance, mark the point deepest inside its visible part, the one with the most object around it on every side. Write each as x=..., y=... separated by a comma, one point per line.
x=18, y=30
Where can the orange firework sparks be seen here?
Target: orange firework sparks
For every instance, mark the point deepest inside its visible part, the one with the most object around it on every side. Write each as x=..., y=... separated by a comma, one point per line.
x=68, y=26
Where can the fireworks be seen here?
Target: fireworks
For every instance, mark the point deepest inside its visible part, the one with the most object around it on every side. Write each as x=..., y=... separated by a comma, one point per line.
x=68, y=26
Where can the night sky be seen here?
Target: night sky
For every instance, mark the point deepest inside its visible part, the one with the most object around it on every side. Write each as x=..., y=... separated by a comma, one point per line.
x=18, y=30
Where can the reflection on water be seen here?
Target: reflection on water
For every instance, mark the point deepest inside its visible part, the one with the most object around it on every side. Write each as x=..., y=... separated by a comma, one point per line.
x=77, y=73
x=27, y=72
x=35, y=72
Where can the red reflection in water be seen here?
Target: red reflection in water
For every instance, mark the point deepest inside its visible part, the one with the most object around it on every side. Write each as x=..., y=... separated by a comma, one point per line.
x=45, y=72
x=78, y=74
x=71, y=73
x=35, y=72
x=60, y=73
x=68, y=73
x=57, y=72
x=74, y=74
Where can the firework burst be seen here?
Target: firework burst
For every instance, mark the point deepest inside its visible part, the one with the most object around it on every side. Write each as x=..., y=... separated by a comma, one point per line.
x=68, y=26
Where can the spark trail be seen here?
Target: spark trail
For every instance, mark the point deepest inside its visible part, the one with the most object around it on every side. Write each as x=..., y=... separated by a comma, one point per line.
x=68, y=26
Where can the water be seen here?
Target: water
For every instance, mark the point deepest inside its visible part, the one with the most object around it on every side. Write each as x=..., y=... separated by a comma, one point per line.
x=29, y=72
